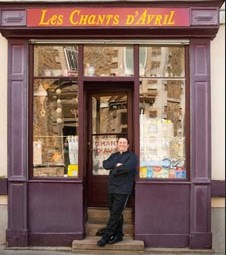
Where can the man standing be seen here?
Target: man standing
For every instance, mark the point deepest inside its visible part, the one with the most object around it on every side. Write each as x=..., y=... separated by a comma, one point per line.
x=122, y=166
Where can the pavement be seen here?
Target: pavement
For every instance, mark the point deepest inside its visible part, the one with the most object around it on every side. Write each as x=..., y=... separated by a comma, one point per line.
x=68, y=251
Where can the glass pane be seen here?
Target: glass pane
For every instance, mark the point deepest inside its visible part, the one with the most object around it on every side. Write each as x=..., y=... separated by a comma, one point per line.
x=161, y=61
x=109, y=114
x=142, y=59
x=109, y=119
x=55, y=127
x=103, y=146
x=128, y=69
x=162, y=128
x=55, y=60
x=108, y=60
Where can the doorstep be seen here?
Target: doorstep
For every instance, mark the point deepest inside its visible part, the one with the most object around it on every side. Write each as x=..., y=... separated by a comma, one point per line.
x=89, y=246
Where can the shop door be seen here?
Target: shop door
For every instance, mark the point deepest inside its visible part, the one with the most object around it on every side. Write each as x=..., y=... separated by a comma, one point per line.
x=109, y=115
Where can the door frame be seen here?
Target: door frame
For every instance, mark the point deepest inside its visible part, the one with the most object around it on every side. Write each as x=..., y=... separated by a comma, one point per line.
x=103, y=87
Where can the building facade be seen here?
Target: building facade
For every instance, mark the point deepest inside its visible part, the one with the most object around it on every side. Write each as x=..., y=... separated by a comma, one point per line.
x=81, y=74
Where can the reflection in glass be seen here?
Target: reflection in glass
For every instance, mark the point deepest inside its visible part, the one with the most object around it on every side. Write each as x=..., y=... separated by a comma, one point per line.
x=129, y=69
x=109, y=114
x=103, y=146
x=108, y=60
x=55, y=60
x=142, y=60
x=109, y=119
x=55, y=128
x=158, y=61
x=162, y=128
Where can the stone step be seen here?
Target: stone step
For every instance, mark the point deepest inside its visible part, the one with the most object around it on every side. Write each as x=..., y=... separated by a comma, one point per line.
x=92, y=228
x=98, y=216
x=102, y=214
x=127, y=246
x=104, y=220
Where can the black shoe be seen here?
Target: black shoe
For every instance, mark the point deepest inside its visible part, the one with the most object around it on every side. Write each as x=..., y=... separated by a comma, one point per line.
x=102, y=242
x=115, y=239
x=100, y=232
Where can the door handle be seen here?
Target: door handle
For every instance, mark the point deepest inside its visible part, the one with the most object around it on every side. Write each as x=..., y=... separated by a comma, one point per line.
x=89, y=147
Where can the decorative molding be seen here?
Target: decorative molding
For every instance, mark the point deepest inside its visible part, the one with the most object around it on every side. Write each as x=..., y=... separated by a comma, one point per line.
x=200, y=111
x=200, y=236
x=200, y=207
x=54, y=239
x=200, y=240
x=17, y=111
x=200, y=212
x=167, y=240
x=217, y=190
x=13, y=18
x=17, y=238
x=200, y=17
x=17, y=203
x=17, y=232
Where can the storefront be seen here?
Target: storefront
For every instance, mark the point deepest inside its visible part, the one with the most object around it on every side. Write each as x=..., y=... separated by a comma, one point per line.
x=82, y=74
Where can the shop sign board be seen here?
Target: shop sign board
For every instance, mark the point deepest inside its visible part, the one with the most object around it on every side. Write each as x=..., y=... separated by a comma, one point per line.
x=108, y=17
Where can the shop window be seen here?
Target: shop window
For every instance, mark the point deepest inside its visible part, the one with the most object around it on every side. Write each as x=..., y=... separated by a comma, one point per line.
x=162, y=114
x=55, y=113
x=108, y=60
x=162, y=61
x=55, y=61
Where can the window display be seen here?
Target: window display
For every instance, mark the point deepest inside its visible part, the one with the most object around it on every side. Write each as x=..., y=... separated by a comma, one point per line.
x=161, y=104
x=55, y=112
x=162, y=113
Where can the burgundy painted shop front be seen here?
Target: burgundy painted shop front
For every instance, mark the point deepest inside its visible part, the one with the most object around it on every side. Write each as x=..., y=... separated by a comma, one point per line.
x=167, y=213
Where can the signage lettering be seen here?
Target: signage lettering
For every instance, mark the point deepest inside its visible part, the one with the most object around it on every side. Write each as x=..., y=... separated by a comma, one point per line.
x=106, y=17
x=55, y=20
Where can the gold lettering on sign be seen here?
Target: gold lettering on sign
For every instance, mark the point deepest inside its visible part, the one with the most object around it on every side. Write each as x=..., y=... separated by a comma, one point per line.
x=142, y=19
x=54, y=20
x=76, y=18
x=150, y=19
x=171, y=18
x=81, y=17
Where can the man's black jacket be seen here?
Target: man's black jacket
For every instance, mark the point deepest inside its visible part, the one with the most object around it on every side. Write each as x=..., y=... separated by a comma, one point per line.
x=121, y=178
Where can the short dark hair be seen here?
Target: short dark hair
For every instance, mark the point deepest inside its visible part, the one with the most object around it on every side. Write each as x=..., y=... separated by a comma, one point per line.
x=123, y=136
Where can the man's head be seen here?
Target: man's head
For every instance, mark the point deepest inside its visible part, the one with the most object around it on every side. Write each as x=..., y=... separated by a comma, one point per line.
x=123, y=144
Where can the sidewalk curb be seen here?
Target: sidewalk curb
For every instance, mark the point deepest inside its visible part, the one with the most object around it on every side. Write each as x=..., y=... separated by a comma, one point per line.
x=146, y=250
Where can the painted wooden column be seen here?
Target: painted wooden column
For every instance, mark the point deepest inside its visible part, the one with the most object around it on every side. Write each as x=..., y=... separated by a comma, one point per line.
x=3, y=107
x=200, y=225
x=17, y=232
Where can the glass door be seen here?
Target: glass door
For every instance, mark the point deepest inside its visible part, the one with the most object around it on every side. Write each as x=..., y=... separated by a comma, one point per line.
x=109, y=116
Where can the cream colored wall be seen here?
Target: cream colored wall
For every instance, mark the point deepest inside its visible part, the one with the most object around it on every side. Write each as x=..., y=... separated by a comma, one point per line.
x=218, y=101
x=3, y=107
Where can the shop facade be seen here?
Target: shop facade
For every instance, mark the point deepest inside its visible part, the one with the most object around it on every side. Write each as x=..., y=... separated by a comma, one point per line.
x=79, y=76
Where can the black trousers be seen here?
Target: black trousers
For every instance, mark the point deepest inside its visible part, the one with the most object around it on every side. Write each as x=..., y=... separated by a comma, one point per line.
x=117, y=203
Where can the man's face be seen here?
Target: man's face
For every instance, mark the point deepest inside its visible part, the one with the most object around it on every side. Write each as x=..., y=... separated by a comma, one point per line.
x=122, y=145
